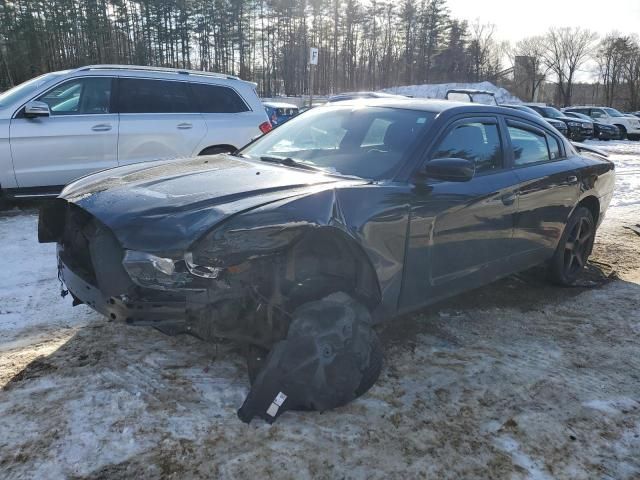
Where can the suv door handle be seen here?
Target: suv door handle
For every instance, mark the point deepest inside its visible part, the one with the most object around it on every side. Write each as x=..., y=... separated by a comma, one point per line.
x=101, y=127
x=185, y=126
x=509, y=198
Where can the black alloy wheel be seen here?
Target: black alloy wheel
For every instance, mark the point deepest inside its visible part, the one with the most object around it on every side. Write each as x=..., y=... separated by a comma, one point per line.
x=574, y=248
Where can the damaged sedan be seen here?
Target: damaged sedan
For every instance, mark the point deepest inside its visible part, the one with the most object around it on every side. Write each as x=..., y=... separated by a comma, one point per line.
x=301, y=243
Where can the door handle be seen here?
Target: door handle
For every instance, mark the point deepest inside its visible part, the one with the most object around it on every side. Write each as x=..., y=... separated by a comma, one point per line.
x=185, y=126
x=509, y=198
x=102, y=127
x=572, y=179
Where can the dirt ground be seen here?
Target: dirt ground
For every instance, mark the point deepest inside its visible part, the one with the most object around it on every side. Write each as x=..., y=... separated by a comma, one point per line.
x=518, y=379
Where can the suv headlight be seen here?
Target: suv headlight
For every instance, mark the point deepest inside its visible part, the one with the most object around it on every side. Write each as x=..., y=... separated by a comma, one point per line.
x=151, y=271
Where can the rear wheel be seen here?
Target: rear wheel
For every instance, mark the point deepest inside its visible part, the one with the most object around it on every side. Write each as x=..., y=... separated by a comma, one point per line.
x=574, y=248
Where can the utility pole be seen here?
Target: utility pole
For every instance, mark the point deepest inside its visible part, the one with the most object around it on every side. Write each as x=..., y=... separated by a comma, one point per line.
x=313, y=61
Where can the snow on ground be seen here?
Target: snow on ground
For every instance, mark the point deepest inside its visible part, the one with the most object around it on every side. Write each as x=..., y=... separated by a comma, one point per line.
x=439, y=90
x=519, y=379
x=627, y=160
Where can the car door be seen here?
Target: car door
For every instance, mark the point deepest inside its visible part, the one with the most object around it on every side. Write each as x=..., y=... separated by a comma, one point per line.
x=78, y=137
x=158, y=120
x=548, y=189
x=461, y=232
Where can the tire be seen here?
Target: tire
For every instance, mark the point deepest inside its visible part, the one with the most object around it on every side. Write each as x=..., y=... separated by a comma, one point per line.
x=634, y=138
x=331, y=356
x=574, y=248
x=216, y=150
x=623, y=132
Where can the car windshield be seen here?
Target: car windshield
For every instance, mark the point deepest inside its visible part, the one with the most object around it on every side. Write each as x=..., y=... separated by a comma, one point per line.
x=367, y=142
x=14, y=94
x=613, y=112
x=581, y=116
x=551, y=112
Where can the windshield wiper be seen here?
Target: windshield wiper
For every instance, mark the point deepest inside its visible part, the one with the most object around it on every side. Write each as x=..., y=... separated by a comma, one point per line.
x=290, y=162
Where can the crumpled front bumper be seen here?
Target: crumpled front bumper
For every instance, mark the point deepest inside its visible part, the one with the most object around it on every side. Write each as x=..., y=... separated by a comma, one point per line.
x=132, y=310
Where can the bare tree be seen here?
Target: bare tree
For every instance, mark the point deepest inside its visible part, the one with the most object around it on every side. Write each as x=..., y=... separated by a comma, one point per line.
x=613, y=56
x=566, y=50
x=530, y=70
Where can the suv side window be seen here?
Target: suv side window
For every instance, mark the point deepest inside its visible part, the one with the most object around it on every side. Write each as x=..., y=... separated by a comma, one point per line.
x=475, y=141
x=138, y=95
x=529, y=146
x=80, y=96
x=217, y=99
x=597, y=113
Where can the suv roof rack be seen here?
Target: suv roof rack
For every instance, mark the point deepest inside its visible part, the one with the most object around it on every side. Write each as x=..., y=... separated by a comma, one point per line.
x=179, y=71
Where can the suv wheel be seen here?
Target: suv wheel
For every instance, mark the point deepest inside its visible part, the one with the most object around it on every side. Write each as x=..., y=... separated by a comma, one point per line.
x=623, y=132
x=574, y=248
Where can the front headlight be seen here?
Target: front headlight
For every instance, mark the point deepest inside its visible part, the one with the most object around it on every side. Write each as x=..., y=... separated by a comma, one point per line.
x=202, y=271
x=586, y=125
x=150, y=271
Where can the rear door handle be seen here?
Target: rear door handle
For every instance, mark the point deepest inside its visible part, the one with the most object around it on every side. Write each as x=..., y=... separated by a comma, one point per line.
x=509, y=198
x=102, y=127
x=185, y=126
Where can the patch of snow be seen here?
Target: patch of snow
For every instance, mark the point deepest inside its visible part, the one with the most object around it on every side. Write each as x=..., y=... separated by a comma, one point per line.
x=439, y=90
x=513, y=448
x=625, y=154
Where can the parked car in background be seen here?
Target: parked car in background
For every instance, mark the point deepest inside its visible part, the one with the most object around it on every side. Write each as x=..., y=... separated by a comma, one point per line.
x=557, y=124
x=635, y=114
x=344, y=217
x=578, y=130
x=629, y=127
x=601, y=131
x=64, y=125
x=279, y=112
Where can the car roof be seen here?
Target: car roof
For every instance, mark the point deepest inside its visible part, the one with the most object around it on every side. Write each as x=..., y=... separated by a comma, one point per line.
x=160, y=73
x=279, y=105
x=426, y=105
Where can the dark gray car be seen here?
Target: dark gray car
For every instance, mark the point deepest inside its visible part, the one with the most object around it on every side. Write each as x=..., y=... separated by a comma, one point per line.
x=346, y=216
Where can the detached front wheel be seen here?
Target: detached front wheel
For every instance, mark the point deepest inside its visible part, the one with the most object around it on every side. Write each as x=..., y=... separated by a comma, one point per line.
x=574, y=248
x=331, y=356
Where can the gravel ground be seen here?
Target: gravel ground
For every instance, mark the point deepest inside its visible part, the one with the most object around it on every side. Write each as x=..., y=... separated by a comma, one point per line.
x=518, y=379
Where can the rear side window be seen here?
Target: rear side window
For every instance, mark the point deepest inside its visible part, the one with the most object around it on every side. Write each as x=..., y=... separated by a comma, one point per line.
x=153, y=96
x=217, y=99
x=528, y=146
x=554, y=148
x=478, y=142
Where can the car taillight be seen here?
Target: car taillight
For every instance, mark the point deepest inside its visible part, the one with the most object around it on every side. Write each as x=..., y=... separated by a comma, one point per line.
x=265, y=127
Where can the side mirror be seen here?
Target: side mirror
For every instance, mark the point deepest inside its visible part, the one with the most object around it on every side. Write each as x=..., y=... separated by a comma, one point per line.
x=450, y=169
x=36, y=109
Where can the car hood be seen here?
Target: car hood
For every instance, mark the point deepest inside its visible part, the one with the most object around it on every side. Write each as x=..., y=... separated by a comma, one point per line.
x=166, y=206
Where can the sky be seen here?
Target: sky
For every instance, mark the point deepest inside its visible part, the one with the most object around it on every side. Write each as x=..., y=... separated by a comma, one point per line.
x=515, y=19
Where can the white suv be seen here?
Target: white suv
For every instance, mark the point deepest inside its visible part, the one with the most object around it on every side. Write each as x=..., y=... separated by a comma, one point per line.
x=629, y=127
x=63, y=125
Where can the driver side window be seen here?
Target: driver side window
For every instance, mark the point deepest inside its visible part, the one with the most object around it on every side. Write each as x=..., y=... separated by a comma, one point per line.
x=81, y=96
x=478, y=142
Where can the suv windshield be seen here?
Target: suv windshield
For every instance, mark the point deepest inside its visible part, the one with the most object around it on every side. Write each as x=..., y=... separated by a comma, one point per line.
x=14, y=94
x=367, y=142
x=613, y=112
x=551, y=112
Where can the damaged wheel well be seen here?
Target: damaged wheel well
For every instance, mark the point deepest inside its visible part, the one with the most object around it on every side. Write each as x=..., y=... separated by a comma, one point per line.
x=325, y=260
